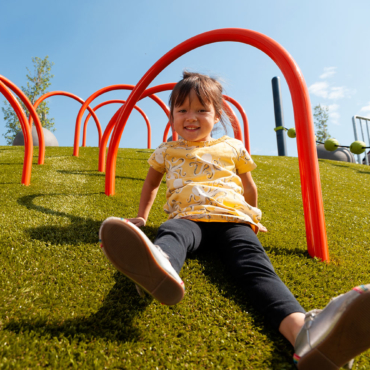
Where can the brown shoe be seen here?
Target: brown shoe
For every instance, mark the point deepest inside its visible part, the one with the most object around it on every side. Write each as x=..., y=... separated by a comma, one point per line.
x=133, y=254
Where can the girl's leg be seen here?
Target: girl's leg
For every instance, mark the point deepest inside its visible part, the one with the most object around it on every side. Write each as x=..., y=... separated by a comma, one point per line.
x=177, y=238
x=250, y=265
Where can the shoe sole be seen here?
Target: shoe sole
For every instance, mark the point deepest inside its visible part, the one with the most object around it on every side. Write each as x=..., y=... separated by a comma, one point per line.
x=127, y=248
x=349, y=337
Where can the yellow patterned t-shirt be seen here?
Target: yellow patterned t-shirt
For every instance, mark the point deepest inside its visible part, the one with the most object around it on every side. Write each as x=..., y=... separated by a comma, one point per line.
x=203, y=182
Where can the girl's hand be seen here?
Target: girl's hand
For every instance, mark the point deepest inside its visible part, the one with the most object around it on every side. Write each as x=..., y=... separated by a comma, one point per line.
x=262, y=228
x=138, y=221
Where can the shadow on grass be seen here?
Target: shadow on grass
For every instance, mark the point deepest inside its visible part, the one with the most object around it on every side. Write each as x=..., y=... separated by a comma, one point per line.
x=113, y=321
x=98, y=174
x=280, y=251
x=11, y=164
x=81, y=230
x=351, y=168
x=219, y=276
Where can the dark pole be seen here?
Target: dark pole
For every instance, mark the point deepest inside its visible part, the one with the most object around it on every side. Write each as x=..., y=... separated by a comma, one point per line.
x=279, y=117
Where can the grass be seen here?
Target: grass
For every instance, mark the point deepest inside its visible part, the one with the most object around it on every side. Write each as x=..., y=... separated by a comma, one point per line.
x=65, y=306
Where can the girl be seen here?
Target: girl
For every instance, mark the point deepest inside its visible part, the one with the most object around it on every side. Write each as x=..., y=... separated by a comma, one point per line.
x=212, y=204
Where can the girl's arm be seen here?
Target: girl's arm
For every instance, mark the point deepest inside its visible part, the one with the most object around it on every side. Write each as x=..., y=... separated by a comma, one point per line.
x=250, y=189
x=148, y=194
x=250, y=194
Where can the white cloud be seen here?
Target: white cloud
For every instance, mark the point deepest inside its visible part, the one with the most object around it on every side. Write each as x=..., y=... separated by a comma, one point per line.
x=366, y=108
x=319, y=89
x=333, y=114
x=328, y=72
x=337, y=92
x=322, y=90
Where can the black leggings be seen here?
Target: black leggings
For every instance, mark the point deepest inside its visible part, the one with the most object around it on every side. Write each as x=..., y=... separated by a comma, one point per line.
x=244, y=256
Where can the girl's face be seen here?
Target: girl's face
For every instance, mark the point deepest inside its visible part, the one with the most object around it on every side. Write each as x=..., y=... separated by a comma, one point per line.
x=194, y=121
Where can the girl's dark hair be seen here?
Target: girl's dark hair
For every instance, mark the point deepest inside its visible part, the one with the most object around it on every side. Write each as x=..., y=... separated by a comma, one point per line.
x=207, y=89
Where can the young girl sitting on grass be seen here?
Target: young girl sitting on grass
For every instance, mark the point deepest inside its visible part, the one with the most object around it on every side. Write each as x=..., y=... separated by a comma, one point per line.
x=212, y=204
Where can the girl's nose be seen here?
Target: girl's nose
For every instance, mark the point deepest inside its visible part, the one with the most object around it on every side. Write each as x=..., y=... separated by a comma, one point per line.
x=191, y=117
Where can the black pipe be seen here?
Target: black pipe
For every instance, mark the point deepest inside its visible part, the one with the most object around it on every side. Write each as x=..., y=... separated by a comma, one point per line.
x=279, y=117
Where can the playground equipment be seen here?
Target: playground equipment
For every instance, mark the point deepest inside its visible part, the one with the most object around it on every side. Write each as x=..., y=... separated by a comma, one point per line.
x=69, y=95
x=94, y=96
x=279, y=117
x=366, y=119
x=33, y=114
x=26, y=129
x=307, y=156
x=340, y=154
x=49, y=138
x=122, y=102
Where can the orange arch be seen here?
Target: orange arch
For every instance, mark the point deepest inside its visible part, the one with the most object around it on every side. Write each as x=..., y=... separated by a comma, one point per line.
x=94, y=96
x=307, y=156
x=75, y=97
x=118, y=101
x=113, y=121
x=26, y=129
x=244, y=118
x=33, y=113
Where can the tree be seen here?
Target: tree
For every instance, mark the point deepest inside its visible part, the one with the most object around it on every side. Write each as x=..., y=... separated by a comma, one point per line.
x=321, y=115
x=37, y=83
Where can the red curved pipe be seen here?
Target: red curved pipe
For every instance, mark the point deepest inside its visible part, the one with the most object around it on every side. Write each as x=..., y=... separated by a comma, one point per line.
x=95, y=95
x=244, y=118
x=26, y=129
x=112, y=122
x=118, y=101
x=75, y=97
x=307, y=156
x=27, y=103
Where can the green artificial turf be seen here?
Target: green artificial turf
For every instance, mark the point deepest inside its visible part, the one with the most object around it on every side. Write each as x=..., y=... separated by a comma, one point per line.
x=63, y=305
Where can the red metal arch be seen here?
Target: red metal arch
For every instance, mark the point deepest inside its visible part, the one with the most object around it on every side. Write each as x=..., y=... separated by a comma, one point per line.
x=244, y=118
x=123, y=102
x=307, y=156
x=95, y=95
x=26, y=129
x=113, y=122
x=75, y=97
x=33, y=114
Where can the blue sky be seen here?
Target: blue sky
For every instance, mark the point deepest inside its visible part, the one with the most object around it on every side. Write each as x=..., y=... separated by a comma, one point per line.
x=94, y=44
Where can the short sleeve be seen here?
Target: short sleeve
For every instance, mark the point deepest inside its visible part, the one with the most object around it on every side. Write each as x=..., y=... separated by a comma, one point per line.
x=156, y=160
x=243, y=161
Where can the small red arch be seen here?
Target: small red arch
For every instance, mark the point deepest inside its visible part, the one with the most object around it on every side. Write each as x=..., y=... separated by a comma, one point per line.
x=307, y=156
x=122, y=102
x=244, y=118
x=27, y=103
x=94, y=96
x=26, y=129
x=75, y=97
x=113, y=122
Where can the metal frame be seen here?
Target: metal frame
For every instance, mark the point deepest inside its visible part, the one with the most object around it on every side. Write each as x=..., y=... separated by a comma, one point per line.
x=362, y=134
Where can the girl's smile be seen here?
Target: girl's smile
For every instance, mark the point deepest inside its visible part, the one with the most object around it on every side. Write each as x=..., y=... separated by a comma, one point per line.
x=194, y=121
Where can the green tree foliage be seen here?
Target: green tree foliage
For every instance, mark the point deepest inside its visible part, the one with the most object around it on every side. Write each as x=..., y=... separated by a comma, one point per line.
x=321, y=116
x=37, y=83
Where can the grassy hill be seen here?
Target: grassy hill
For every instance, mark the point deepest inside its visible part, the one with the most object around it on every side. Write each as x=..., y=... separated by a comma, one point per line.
x=65, y=306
